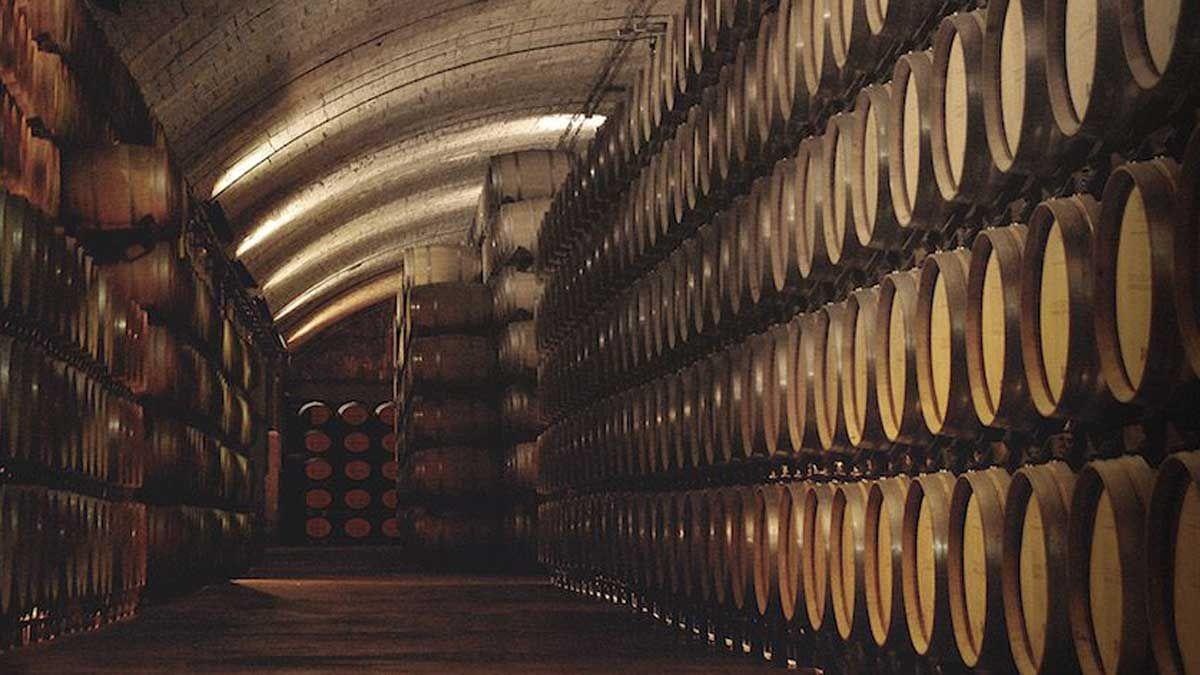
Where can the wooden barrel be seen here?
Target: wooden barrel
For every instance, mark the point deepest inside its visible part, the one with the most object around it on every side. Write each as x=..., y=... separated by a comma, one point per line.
x=847, y=559
x=1141, y=355
x=777, y=363
x=849, y=37
x=720, y=531
x=1107, y=577
x=758, y=392
x=1173, y=522
x=942, y=345
x=776, y=223
x=453, y=470
x=353, y=413
x=896, y=358
x=682, y=326
x=925, y=563
x=976, y=558
x=514, y=234
x=744, y=549
x=791, y=543
x=769, y=532
x=754, y=238
x=994, y=365
x=441, y=263
x=736, y=127
x=517, y=351
x=1089, y=84
x=802, y=403
x=914, y=189
x=701, y=170
x=521, y=412
x=315, y=414
x=719, y=152
x=1057, y=330
x=122, y=186
x=962, y=162
x=870, y=182
x=525, y=175
x=757, y=104
x=860, y=403
x=786, y=68
x=842, y=245
x=734, y=289
x=814, y=555
x=740, y=402
x=1187, y=254
x=451, y=533
x=697, y=513
x=450, y=421
x=816, y=52
x=827, y=385
x=1021, y=131
x=883, y=536
x=515, y=295
x=812, y=259
x=448, y=308
x=700, y=398
x=682, y=577
x=683, y=163
x=452, y=359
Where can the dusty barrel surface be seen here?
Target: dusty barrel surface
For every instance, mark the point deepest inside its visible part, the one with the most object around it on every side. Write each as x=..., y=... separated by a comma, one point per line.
x=1108, y=571
x=1174, y=576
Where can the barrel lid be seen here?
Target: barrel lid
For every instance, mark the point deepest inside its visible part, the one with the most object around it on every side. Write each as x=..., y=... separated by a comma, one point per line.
x=317, y=469
x=358, y=470
x=357, y=442
x=353, y=413
x=357, y=528
x=316, y=441
x=357, y=499
x=318, y=499
x=317, y=528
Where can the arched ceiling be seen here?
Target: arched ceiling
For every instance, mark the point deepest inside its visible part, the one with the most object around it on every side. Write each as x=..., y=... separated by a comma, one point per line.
x=334, y=133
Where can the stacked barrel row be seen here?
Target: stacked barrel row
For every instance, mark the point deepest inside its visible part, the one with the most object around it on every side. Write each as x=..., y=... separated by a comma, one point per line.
x=84, y=365
x=345, y=470
x=449, y=425
x=805, y=250
x=1044, y=570
x=518, y=193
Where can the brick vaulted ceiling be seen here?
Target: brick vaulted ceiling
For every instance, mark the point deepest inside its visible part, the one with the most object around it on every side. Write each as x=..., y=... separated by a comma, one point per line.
x=334, y=133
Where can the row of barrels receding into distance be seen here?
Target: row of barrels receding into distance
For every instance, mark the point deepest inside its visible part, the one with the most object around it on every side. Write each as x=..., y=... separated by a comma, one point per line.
x=345, y=473
x=1004, y=90
x=73, y=562
x=1046, y=570
x=1075, y=316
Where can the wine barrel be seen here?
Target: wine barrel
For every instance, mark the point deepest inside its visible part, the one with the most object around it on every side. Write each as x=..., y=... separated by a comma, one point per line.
x=741, y=403
x=842, y=244
x=386, y=413
x=515, y=295
x=755, y=263
x=962, y=161
x=448, y=308
x=719, y=533
x=759, y=105
x=776, y=222
x=513, y=237
x=816, y=51
x=925, y=563
x=517, y=349
x=719, y=151
x=450, y=421
x=993, y=331
x=802, y=398
x=317, y=442
x=896, y=359
x=849, y=37
x=814, y=555
x=870, y=182
x=1172, y=518
x=769, y=530
x=1089, y=84
x=860, y=403
x=122, y=186
x=698, y=392
x=791, y=543
x=976, y=557
x=883, y=536
x=526, y=175
x=317, y=469
x=353, y=413
x=1107, y=577
x=745, y=548
x=682, y=325
x=521, y=412
x=914, y=188
x=758, y=392
x=315, y=414
x=1140, y=352
x=1057, y=330
x=826, y=392
x=942, y=345
x=736, y=127
x=441, y=263
x=698, y=515
x=811, y=257
x=1187, y=254
x=452, y=359
x=787, y=67
x=777, y=363
x=847, y=559
x=454, y=533
x=1021, y=131
x=452, y=471
x=1161, y=49
x=711, y=284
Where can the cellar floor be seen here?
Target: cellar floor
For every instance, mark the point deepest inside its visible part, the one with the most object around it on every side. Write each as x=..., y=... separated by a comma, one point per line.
x=299, y=614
